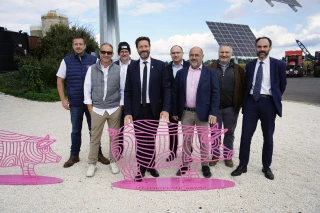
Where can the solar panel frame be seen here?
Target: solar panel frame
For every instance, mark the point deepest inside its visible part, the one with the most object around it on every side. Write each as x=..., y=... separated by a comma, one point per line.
x=239, y=36
x=290, y=2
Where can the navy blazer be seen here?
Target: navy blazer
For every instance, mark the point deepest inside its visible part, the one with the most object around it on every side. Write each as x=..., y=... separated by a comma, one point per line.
x=170, y=70
x=278, y=81
x=159, y=89
x=208, y=93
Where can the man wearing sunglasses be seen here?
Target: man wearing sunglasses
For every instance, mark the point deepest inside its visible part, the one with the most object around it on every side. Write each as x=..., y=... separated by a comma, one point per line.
x=147, y=97
x=73, y=68
x=103, y=94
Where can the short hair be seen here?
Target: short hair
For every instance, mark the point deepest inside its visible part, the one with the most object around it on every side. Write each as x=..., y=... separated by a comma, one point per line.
x=226, y=45
x=78, y=37
x=176, y=46
x=108, y=44
x=141, y=38
x=264, y=37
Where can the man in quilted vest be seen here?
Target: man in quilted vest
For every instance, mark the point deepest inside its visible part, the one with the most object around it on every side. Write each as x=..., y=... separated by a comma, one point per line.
x=73, y=68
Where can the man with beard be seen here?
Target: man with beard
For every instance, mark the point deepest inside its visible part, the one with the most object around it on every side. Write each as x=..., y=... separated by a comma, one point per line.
x=172, y=68
x=196, y=103
x=147, y=96
x=124, y=52
x=103, y=95
x=74, y=68
x=266, y=82
x=232, y=85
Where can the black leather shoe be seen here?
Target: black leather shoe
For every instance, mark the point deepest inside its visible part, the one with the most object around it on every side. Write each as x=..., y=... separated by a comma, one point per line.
x=239, y=171
x=268, y=173
x=153, y=172
x=183, y=170
x=206, y=171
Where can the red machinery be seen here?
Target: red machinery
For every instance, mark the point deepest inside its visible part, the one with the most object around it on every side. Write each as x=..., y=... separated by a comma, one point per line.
x=294, y=63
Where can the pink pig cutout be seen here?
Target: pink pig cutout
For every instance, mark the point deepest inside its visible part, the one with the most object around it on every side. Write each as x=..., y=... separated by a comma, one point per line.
x=127, y=158
x=26, y=151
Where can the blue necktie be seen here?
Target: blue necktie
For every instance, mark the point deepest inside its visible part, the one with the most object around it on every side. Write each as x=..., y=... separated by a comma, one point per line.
x=257, y=84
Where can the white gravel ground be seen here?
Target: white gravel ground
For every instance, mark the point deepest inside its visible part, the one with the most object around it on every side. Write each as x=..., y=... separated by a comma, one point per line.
x=296, y=187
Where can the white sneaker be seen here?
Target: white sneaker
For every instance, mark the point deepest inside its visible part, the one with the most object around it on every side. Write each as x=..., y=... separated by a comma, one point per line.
x=114, y=167
x=91, y=170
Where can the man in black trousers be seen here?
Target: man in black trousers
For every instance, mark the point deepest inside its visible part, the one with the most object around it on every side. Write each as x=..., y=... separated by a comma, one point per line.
x=176, y=64
x=147, y=96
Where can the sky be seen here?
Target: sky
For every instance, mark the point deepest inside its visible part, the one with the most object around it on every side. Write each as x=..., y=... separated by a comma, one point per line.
x=180, y=22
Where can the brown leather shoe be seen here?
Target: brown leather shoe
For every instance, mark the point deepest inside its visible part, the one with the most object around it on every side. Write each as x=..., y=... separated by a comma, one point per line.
x=213, y=161
x=228, y=163
x=71, y=161
x=103, y=160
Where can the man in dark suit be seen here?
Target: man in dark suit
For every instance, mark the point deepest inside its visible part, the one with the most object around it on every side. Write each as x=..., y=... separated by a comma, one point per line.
x=147, y=95
x=172, y=68
x=266, y=82
x=195, y=102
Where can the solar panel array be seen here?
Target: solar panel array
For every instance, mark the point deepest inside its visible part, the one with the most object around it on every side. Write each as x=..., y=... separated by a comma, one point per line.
x=239, y=36
x=290, y=2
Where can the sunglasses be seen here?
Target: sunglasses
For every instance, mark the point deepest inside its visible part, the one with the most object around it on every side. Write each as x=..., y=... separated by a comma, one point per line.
x=104, y=52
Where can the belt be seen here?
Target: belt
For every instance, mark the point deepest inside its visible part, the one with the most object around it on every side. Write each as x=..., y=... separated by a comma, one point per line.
x=190, y=109
x=224, y=107
x=144, y=105
x=264, y=96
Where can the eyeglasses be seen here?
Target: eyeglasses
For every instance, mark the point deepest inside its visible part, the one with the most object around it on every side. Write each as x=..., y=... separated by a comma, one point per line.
x=104, y=52
x=173, y=53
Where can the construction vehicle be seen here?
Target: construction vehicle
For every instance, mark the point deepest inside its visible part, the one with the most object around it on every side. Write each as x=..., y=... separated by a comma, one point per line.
x=294, y=63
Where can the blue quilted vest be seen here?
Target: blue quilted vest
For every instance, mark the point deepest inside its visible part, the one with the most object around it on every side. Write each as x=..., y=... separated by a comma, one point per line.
x=76, y=73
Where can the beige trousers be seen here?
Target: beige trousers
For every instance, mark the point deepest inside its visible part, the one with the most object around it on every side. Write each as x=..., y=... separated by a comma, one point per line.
x=191, y=119
x=97, y=125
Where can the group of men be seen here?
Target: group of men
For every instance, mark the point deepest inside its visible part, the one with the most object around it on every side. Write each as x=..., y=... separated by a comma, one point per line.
x=190, y=92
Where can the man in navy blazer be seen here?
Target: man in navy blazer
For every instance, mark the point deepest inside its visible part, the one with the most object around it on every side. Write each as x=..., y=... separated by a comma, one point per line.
x=172, y=68
x=147, y=95
x=196, y=100
x=262, y=102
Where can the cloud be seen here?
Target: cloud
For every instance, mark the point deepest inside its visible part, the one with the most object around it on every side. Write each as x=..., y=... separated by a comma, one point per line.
x=160, y=49
x=235, y=11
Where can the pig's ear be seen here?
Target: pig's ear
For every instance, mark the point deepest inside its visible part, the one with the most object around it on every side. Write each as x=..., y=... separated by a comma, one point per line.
x=46, y=141
x=215, y=126
x=111, y=131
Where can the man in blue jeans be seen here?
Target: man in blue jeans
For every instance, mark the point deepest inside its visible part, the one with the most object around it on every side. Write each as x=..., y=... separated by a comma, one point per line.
x=73, y=68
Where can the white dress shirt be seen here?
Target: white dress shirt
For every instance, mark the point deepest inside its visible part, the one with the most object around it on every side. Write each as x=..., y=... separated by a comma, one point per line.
x=123, y=73
x=148, y=77
x=266, y=82
x=87, y=91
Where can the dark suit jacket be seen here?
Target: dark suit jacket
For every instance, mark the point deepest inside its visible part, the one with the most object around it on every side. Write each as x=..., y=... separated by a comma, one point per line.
x=278, y=81
x=159, y=89
x=171, y=77
x=208, y=94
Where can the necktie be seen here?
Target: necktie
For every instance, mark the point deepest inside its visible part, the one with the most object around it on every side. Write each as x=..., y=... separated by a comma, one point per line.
x=257, y=85
x=144, y=84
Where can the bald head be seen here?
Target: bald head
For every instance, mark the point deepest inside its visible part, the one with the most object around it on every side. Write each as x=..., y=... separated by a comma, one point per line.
x=195, y=57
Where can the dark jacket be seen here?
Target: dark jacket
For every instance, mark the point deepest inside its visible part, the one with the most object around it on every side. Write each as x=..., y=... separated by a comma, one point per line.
x=278, y=81
x=159, y=89
x=75, y=75
x=171, y=77
x=239, y=83
x=208, y=96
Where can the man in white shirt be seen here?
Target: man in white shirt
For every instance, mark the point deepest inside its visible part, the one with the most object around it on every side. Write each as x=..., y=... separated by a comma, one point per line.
x=103, y=95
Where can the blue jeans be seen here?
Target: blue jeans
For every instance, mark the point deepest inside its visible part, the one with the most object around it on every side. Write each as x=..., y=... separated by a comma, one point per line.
x=76, y=114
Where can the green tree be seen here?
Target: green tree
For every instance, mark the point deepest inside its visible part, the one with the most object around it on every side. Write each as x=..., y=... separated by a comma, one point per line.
x=37, y=74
